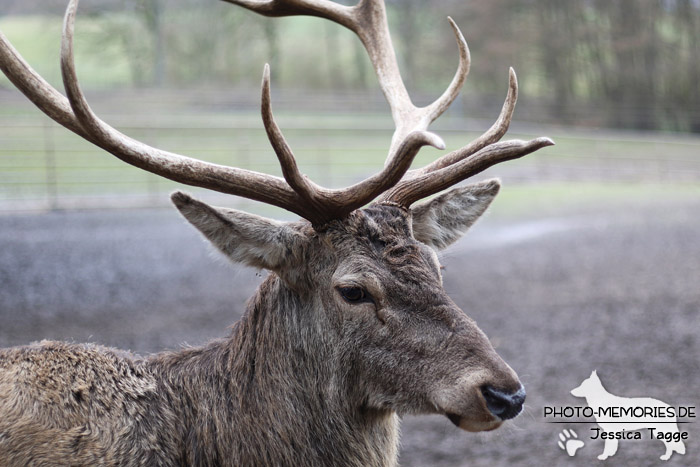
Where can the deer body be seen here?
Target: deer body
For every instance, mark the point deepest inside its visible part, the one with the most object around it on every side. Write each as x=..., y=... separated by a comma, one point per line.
x=351, y=329
x=291, y=385
x=197, y=407
x=256, y=398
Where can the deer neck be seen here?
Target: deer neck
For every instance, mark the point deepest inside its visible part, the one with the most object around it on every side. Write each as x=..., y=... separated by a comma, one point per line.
x=288, y=364
x=276, y=382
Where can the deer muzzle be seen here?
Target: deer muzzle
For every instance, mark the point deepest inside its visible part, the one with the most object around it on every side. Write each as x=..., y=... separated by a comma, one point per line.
x=490, y=409
x=487, y=393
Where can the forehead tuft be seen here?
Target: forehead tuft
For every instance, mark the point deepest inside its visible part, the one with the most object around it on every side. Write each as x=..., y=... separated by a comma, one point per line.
x=383, y=224
x=378, y=226
x=382, y=235
x=385, y=230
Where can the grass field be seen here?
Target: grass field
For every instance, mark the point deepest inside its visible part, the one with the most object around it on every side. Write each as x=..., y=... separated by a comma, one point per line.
x=38, y=40
x=43, y=166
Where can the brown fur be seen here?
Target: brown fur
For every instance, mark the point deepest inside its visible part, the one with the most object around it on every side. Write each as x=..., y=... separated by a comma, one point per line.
x=305, y=378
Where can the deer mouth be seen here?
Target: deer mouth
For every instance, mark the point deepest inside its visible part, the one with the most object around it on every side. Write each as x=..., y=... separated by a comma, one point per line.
x=497, y=407
x=473, y=425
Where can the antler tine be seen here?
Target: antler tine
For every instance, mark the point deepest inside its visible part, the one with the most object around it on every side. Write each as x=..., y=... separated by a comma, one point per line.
x=407, y=117
x=493, y=134
x=437, y=108
x=290, y=170
x=411, y=190
x=373, y=30
x=275, y=8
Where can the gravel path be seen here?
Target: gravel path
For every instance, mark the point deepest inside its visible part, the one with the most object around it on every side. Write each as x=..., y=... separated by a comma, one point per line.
x=560, y=294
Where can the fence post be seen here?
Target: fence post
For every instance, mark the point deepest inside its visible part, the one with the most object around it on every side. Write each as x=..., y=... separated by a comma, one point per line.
x=151, y=180
x=50, y=166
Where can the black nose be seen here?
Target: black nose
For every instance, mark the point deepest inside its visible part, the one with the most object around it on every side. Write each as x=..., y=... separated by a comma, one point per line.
x=502, y=404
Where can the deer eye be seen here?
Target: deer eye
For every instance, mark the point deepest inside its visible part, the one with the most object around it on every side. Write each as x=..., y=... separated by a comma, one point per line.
x=355, y=295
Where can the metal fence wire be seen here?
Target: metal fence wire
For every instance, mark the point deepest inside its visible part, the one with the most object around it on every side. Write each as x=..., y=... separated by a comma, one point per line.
x=45, y=167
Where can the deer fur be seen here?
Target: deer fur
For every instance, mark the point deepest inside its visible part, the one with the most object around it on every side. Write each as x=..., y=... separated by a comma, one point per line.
x=304, y=378
x=351, y=329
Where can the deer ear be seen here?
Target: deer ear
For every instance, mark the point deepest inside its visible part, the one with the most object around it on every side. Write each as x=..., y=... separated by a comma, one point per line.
x=443, y=220
x=242, y=237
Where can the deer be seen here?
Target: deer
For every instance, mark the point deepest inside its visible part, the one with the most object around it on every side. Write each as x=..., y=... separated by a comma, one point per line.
x=350, y=330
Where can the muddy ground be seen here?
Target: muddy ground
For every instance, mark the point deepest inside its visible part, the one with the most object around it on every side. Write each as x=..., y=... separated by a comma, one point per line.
x=560, y=293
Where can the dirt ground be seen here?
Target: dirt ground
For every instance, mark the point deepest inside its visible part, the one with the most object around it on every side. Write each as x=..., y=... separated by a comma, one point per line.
x=560, y=293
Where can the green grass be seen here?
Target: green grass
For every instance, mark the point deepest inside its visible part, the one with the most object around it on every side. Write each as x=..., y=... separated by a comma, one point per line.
x=38, y=158
x=37, y=38
x=557, y=198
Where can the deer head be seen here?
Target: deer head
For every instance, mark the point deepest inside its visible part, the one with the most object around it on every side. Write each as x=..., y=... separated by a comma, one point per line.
x=362, y=262
x=372, y=283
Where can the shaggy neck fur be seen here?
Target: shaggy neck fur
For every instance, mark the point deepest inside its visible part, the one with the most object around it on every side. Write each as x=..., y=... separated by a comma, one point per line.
x=275, y=393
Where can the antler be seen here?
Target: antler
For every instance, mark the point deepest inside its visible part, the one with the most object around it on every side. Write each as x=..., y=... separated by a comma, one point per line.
x=296, y=192
x=477, y=156
x=368, y=20
x=75, y=114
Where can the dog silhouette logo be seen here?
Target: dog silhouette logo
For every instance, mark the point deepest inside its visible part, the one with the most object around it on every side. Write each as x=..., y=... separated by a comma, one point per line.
x=621, y=417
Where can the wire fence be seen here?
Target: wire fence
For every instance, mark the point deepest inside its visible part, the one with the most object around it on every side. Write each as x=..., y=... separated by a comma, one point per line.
x=45, y=167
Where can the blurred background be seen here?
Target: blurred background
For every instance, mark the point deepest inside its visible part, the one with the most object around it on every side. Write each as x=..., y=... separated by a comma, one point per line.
x=615, y=83
x=589, y=258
